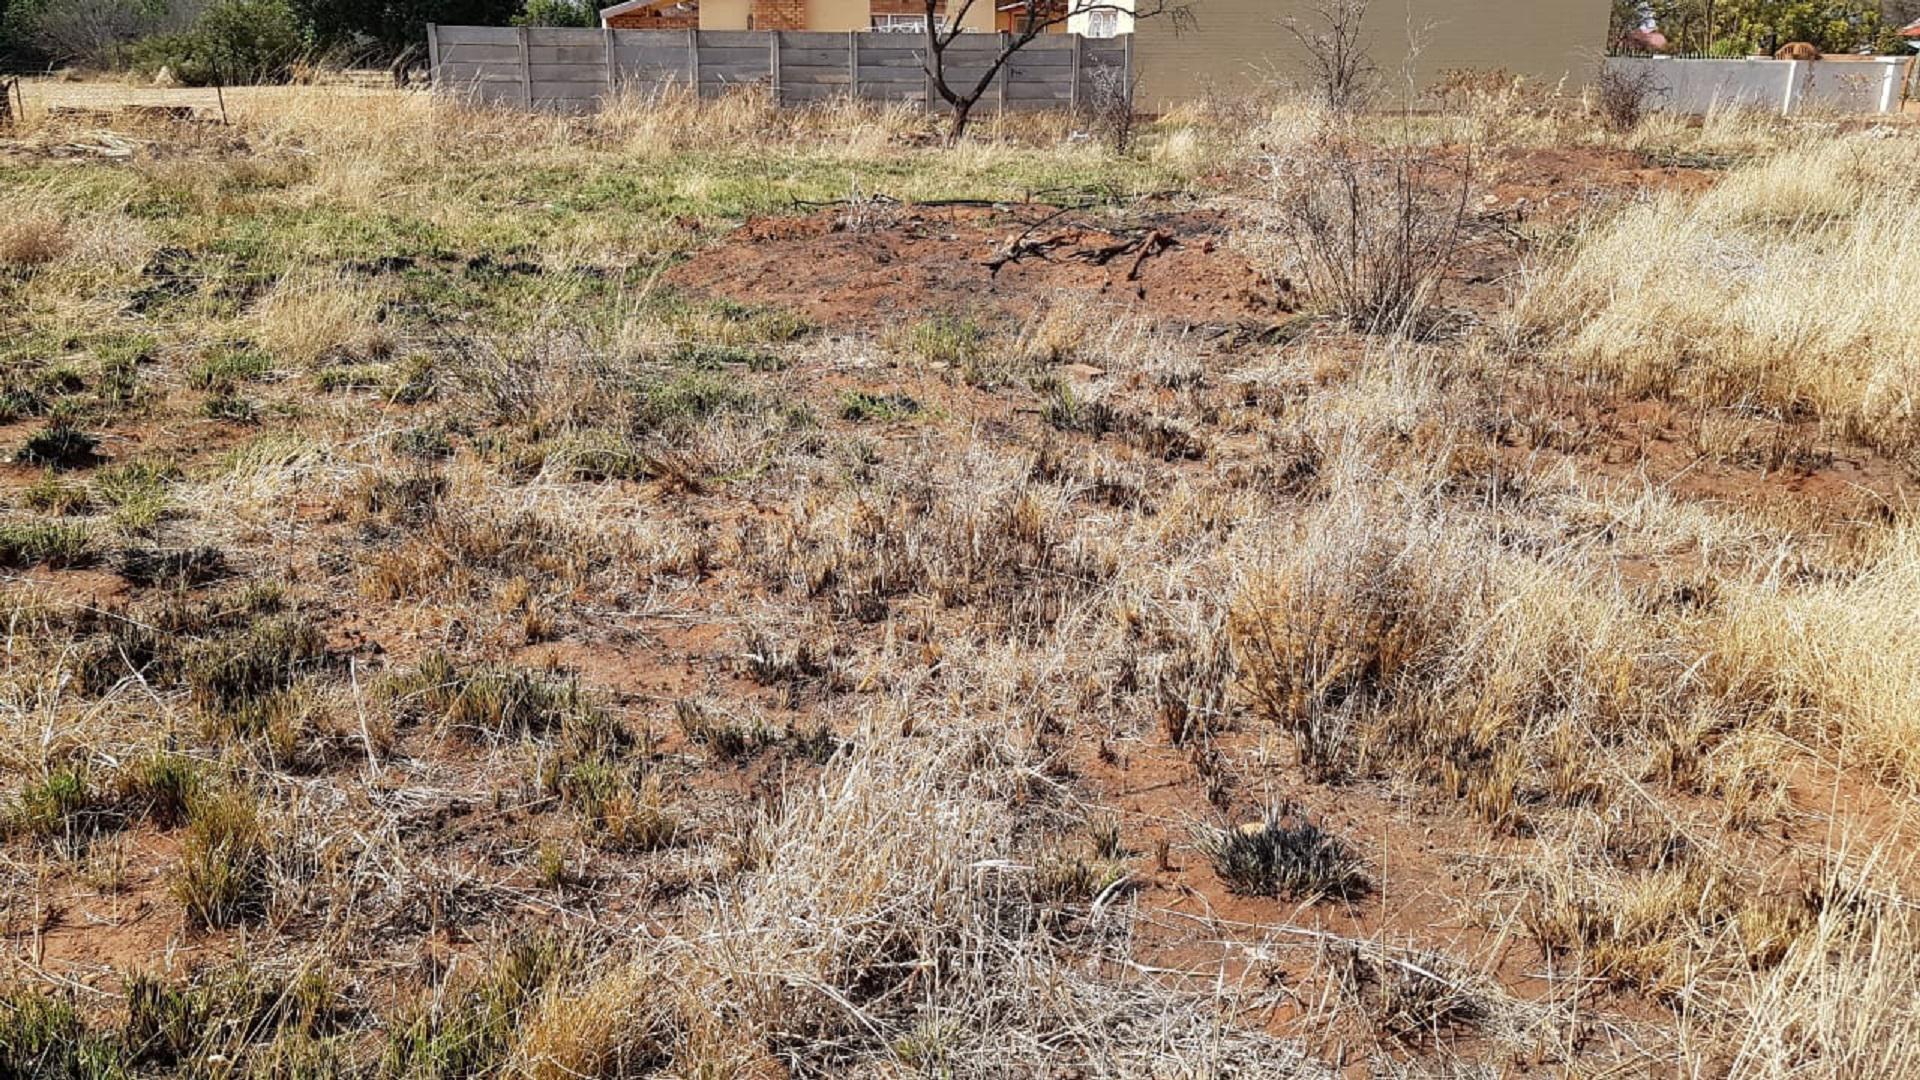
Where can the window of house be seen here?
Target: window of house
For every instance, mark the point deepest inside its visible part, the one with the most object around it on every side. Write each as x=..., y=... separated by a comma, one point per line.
x=904, y=24
x=1103, y=24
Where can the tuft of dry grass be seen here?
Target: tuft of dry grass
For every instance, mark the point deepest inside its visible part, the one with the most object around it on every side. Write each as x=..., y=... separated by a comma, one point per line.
x=307, y=318
x=32, y=240
x=1775, y=290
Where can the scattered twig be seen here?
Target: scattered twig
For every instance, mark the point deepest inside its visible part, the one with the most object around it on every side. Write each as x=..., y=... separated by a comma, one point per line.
x=1155, y=242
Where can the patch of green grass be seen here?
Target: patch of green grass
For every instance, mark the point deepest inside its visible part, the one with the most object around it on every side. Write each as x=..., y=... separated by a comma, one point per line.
x=177, y=568
x=222, y=876
x=226, y=368
x=413, y=380
x=595, y=454
x=18, y=402
x=730, y=737
x=467, y=1031
x=53, y=495
x=264, y=658
x=162, y=786
x=43, y=1037
x=947, y=340
x=617, y=811
x=234, y=1011
x=56, y=544
x=427, y=442
x=861, y=406
x=491, y=702
x=711, y=357
x=353, y=377
x=686, y=398
x=135, y=492
x=229, y=407
x=1067, y=411
x=54, y=805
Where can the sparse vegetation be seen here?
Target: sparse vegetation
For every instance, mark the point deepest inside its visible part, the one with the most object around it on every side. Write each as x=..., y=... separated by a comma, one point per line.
x=475, y=606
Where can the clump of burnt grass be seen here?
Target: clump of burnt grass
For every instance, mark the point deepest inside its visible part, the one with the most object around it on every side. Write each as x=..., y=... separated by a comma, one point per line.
x=59, y=446
x=260, y=660
x=1286, y=855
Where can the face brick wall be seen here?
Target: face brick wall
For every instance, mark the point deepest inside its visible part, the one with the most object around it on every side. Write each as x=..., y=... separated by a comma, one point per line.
x=666, y=16
x=779, y=14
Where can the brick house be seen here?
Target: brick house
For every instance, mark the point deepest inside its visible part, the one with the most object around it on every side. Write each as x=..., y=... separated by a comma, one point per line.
x=895, y=15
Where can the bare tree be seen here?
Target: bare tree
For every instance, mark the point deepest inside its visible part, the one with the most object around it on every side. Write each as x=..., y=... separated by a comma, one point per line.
x=946, y=23
x=86, y=31
x=1108, y=104
x=1337, y=58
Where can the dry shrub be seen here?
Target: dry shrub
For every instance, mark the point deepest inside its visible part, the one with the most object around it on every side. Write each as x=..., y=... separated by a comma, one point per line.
x=33, y=240
x=1324, y=634
x=1370, y=231
x=1625, y=93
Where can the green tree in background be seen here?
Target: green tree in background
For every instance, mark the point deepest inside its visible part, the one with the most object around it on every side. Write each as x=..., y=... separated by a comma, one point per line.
x=1833, y=25
x=1736, y=27
x=558, y=13
x=381, y=28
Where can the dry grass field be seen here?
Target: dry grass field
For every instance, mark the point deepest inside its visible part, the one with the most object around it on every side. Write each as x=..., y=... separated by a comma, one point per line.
x=703, y=591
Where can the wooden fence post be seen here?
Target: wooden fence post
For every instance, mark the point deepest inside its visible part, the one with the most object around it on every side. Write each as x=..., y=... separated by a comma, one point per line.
x=1006, y=70
x=526, y=71
x=433, y=58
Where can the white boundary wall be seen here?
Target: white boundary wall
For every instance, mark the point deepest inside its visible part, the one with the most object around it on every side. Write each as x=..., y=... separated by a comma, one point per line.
x=1783, y=86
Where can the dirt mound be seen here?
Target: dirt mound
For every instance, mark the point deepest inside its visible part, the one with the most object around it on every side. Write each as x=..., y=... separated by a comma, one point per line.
x=870, y=268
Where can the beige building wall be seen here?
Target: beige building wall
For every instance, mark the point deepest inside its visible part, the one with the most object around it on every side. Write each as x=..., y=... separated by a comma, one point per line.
x=837, y=15
x=724, y=14
x=1236, y=46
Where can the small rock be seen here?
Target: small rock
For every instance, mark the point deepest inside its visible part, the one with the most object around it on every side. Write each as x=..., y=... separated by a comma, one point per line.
x=165, y=77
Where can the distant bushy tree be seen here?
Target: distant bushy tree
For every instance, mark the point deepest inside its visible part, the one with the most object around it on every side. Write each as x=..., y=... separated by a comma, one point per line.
x=1733, y=27
x=1836, y=26
x=380, y=29
x=233, y=41
x=558, y=13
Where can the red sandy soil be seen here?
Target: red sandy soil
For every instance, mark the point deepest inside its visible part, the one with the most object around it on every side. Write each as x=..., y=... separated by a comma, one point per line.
x=911, y=262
